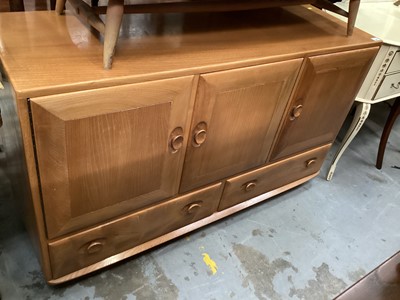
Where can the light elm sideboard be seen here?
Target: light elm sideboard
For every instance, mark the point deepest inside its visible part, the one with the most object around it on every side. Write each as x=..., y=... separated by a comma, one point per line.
x=201, y=116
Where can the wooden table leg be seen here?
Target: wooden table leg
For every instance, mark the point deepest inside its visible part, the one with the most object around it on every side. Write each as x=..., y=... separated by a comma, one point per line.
x=351, y=21
x=60, y=4
x=361, y=114
x=115, y=11
x=394, y=113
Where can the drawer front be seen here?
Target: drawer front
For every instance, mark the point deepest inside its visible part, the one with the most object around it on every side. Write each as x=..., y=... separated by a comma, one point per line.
x=252, y=184
x=88, y=247
x=395, y=64
x=390, y=86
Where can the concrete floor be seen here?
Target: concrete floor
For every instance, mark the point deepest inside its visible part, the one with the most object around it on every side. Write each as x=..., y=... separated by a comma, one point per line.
x=309, y=243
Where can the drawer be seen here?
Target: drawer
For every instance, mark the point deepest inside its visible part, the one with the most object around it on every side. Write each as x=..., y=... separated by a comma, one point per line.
x=249, y=185
x=88, y=247
x=395, y=64
x=390, y=86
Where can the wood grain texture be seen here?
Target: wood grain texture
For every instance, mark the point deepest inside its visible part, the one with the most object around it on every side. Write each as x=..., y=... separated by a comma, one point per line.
x=179, y=232
x=106, y=152
x=272, y=176
x=326, y=91
x=161, y=47
x=90, y=246
x=85, y=118
x=242, y=109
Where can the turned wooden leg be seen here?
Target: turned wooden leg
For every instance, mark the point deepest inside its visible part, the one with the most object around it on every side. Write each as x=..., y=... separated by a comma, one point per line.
x=361, y=114
x=115, y=11
x=60, y=4
x=394, y=113
x=351, y=21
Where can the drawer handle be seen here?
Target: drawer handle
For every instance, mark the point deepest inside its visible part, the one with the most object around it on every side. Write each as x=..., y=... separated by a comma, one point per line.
x=176, y=140
x=397, y=86
x=1, y=119
x=191, y=208
x=94, y=247
x=249, y=186
x=199, y=134
x=296, y=112
x=311, y=162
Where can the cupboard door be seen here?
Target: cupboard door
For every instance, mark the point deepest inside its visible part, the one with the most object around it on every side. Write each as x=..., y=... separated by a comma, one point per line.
x=106, y=152
x=235, y=119
x=324, y=95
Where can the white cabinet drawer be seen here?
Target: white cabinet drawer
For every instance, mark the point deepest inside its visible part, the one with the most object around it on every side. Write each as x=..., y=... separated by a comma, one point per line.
x=390, y=86
x=395, y=64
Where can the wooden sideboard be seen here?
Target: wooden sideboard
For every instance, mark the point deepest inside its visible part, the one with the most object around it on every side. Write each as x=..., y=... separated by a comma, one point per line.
x=202, y=115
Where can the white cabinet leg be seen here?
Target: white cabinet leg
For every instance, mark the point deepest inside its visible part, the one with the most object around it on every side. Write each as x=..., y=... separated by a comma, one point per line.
x=361, y=114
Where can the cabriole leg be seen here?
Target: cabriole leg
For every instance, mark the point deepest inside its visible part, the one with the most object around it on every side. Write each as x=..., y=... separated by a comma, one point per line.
x=361, y=114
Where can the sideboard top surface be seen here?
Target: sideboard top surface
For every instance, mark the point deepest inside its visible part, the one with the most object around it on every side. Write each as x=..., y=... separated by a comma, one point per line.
x=48, y=54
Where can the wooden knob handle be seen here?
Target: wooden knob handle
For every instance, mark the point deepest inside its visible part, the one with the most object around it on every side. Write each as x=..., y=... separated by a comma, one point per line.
x=199, y=137
x=94, y=247
x=310, y=162
x=249, y=186
x=176, y=140
x=193, y=207
x=199, y=134
x=296, y=112
x=176, y=143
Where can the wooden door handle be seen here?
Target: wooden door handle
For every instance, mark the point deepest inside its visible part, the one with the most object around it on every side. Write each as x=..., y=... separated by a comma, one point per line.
x=199, y=134
x=176, y=140
x=177, y=143
x=296, y=112
x=200, y=137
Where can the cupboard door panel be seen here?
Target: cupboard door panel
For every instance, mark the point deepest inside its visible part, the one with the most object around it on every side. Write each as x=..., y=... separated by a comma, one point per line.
x=236, y=115
x=110, y=151
x=325, y=93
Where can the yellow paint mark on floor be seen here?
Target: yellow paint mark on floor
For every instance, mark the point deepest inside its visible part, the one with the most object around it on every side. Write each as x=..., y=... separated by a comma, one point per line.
x=210, y=263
